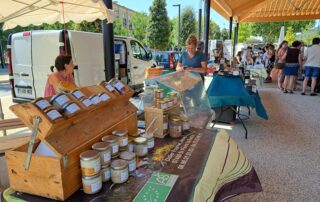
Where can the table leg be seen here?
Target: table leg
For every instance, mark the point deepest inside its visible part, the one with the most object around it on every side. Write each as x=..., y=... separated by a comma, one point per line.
x=244, y=126
x=219, y=116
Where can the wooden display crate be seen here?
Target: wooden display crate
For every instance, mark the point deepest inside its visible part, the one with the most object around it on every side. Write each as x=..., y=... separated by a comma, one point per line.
x=58, y=177
x=152, y=113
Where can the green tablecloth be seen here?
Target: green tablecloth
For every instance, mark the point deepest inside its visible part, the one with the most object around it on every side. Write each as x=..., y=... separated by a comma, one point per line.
x=230, y=91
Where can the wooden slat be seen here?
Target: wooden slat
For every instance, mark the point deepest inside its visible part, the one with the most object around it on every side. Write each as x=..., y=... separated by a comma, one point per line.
x=13, y=141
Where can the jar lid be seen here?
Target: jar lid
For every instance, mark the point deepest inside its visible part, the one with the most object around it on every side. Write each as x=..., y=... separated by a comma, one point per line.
x=175, y=118
x=140, y=140
x=109, y=139
x=119, y=133
x=91, y=177
x=184, y=119
x=100, y=146
x=127, y=155
x=49, y=109
x=89, y=155
x=162, y=102
x=66, y=105
x=147, y=135
x=92, y=96
x=55, y=97
x=119, y=164
x=105, y=166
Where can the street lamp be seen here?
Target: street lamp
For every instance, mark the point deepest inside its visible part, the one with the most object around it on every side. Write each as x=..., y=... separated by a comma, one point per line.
x=178, y=5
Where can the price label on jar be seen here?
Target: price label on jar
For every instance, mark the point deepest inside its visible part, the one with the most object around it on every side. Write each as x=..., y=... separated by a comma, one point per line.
x=73, y=108
x=132, y=166
x=150, y=144
x=87, y=102
x=106, y=157
x=96, y=186
x=104, y=97
x=109, y=88
x=107, y=175
x=115, y=148
x=78, y=94
x=119, y=86
x=53, y=114
x=42, y=104
x=145, y=150
x=165, y=126
x=97, y=166
x=62, y=99
x=124, y=176
x=95, y=100
x=124, y=142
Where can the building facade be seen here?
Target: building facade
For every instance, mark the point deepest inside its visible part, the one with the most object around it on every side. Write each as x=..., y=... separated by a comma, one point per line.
x=124, y=14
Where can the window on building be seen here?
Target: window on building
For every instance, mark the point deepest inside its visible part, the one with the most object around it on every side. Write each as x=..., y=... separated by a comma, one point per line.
x=124, y=22
x=130, y=26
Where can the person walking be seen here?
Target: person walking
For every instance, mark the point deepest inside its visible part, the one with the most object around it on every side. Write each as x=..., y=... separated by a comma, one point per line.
x=312, y=66
x=281, y=60
x=292, y=65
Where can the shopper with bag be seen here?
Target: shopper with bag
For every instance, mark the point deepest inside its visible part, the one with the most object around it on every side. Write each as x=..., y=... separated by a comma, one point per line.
x=280, y=62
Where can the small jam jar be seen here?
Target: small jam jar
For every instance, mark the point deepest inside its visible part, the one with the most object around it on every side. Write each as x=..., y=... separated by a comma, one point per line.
x=59, y=100
x=119, y=171
x=77, y=94
x=53, y=114
x=104, y=97
x=92, y=184
x=130, y=145
x=41, y=103
x=105, y=152
x=163, y=104
x=122, y=136
x=95, y=99
x=185, y=124
x=141, y=146
x=150, y=140
x=86, y=102
x=159, y=93
x=111, y=89
x=90, y=162
x=175, y=127
x=112, y=141
x=165, y=123
x=117, y=85
x=105, y=173
x=70, y=108
x=130, y=157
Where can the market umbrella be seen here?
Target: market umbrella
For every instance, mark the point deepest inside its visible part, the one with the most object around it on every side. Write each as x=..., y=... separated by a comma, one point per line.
x=37, y=12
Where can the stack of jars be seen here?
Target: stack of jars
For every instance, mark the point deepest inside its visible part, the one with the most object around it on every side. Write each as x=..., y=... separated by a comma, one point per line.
x=162, y=102
x=178, y=126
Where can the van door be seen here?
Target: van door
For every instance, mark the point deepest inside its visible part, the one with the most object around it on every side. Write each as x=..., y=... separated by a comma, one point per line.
x=22, y=65
x=139, y=61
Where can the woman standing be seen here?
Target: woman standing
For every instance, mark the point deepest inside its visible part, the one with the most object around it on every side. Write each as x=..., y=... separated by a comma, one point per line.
x=291, y=68
x=62, y=79
x=281, y=61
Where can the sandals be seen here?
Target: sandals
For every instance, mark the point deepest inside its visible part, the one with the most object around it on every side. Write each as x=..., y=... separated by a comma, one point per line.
x=313, y=94
x=303, y=93
x=285, y=91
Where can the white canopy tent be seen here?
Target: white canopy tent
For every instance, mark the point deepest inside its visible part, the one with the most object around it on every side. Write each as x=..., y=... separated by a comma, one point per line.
x=37, y=12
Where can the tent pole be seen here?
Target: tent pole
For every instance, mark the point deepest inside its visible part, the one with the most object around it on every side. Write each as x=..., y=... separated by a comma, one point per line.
x=230, y=28
x=108, y=45
x=199, y=20
x=235, y=39
x=206, y=27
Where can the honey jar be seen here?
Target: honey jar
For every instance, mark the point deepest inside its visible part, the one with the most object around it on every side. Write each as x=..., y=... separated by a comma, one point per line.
x=53, y=114
x=165, y=123
x=105, y=152
x=90, y=162
x=70, y=108
x=41, y=103
x=141, y=146
x=150, y=140
x=185, y=125
x=175, y=127
x=130, y=157
x=122, y=136
x=111, y=89
x=86, y=102
x=112, y=141
x=77, y=94
x=59, y=100
x=117, y=85
x=163, y=104
x=105, y=173
x=119, y=171
x=92, y=184
x=95, y=99
x=104, y=97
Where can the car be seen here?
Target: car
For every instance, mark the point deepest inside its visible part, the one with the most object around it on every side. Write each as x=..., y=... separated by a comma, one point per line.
x=167, y=59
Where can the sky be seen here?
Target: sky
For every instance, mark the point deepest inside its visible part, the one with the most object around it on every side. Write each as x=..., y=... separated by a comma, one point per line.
x=143, y=6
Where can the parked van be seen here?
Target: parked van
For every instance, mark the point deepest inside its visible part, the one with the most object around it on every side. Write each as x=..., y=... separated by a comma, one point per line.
x=32, y=53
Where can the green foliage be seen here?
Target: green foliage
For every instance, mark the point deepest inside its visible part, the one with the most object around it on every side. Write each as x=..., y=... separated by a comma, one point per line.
x=173, y=39
x=118, y=29
x=139, y=25
x=224, y=34
x=308, y=34
x=158, y=30
x=188, y=24
x=214, y=30
x=290, y=36
x=244, y=32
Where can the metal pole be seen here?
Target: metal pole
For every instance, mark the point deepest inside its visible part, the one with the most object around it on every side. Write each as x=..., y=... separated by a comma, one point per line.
x=206, y=28
x=179, y=27
x=230, y=28
x=2, y=56
x=199, y=20
x=108, y=45
x=235, y=39
x=2, y=118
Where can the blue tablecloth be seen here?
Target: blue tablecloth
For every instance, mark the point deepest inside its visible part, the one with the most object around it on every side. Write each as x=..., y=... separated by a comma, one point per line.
x=230, y=91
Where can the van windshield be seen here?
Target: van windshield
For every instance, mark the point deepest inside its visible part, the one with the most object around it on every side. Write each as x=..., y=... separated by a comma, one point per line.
x=138, y=51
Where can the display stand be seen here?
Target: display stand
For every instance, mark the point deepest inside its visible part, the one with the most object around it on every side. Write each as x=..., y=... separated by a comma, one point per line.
x=58, y=176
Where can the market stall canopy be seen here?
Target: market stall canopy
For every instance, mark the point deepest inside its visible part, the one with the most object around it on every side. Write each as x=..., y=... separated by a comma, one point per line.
x=37, y=12
x=267, y=10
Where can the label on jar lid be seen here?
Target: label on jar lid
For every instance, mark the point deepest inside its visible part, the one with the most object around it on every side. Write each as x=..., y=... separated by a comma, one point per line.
x=78, y=94
x=95, y=100
x=109, y=87
x=150, y=144
x=119, y=86
x=97, y=166
x=165, y=126
x=115, y=148
x=124, y=176
x=96, y=186
x=87, y=102
x=73, y=108
x=104, y=97
x=107, y=174
x=132, y=166
x=62, y=99
x=106, y=156
x=53, y=114
x=42, y=104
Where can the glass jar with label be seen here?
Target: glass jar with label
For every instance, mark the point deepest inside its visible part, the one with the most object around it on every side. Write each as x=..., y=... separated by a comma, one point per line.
x=163, y=104
x=150, y=140
x=158, y=93
x=86, y=102
x=118, y=85
x=92, y=184
x=112, y=141
x=105, y=152
x=41, y=103
x=122, y=136
x=103, y=97
x=169, y=102
x=130, y=145
x=110, y=88
x=141, y=146
x=185, y=125
x=77, y=94
x=174, y=97
x=59, y=100
x=90, y=162
x=105, y=173
x=175, y=127
x=95, y=99
x=165, y=123
x=53, y=114
x=70, y=108
x=119, y=171
x=130, y=157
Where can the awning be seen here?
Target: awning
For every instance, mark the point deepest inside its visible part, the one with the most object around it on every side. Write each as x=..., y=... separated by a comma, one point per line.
x=267, y=10
x=37, y=12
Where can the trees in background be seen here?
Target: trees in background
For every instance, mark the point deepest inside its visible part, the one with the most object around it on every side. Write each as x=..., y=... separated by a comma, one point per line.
x=158, y=30
x=139, y=23
x=188, y=24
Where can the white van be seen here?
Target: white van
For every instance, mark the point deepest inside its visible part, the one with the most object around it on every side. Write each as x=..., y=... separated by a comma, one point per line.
x=32, y=53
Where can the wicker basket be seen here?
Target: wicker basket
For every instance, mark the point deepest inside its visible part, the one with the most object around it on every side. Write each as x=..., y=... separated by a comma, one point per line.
x=153, y=72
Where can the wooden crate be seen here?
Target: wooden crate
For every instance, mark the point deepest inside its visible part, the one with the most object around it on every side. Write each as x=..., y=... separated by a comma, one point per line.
x=60, y=176
x=152, y=113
